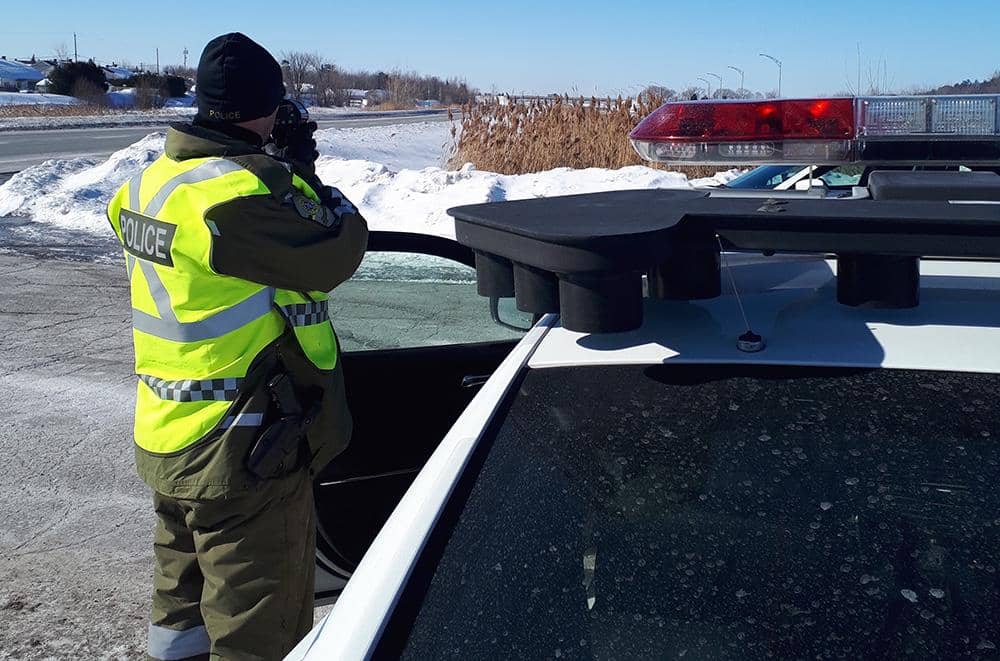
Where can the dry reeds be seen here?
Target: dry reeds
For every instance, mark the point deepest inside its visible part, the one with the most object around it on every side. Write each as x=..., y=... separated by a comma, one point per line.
x=542, y=134
x=46, y=110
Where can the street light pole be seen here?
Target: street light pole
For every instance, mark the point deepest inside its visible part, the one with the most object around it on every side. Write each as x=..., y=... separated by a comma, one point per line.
x=778, y=62
x=740, y=71
x=717, y=76
x=708, y=83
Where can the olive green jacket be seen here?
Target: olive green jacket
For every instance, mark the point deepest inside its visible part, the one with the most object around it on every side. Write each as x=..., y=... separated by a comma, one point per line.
x=267, y=240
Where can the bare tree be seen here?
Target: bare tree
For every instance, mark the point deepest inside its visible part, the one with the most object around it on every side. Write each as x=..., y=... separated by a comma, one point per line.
x=327, y=85
x=62, y=51
x=404, y=88
x=664, y=93
x=187, y=73
x=690, y=94
x=298, y=67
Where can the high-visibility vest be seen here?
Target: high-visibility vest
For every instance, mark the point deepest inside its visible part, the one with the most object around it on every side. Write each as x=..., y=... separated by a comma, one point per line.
x=196, y=332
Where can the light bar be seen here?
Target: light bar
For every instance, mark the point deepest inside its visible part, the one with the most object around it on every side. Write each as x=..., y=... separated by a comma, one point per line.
x=960, y=130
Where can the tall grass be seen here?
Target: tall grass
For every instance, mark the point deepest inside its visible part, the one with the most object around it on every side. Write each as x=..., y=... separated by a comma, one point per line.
x=543, y=134
x=45, y=110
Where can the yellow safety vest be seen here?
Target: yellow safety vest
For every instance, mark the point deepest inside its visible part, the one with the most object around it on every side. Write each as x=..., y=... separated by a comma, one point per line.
x=196, y=332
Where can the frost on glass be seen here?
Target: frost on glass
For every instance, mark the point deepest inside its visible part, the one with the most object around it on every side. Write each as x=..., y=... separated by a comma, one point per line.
x=709, y=513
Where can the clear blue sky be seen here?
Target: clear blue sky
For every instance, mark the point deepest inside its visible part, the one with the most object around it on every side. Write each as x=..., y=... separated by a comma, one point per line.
x=540, y=47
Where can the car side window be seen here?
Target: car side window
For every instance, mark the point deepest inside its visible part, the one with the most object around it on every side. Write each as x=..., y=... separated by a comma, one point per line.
x=843, y=176
x=400, y=300
x=776, y=180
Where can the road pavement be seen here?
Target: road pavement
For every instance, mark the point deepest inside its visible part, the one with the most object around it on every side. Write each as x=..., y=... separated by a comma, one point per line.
x=23, y=148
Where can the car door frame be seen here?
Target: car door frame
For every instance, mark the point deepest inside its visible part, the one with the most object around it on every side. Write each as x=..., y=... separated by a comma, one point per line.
x=331, y=577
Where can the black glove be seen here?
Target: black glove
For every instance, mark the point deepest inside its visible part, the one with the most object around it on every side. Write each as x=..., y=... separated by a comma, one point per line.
x=298, y=147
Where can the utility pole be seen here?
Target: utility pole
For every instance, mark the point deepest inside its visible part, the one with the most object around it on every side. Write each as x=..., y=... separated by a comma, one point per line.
x=76, y=56
x=739, y=71
x=157, y=61
x=718, y=77
x=708, y=83
x=185, y=57
x=778, y=62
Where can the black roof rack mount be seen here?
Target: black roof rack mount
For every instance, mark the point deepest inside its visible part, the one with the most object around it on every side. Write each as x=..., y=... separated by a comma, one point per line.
x=584, y=255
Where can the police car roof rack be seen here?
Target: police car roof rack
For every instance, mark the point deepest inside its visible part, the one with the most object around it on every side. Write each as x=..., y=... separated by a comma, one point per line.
x=584, y=255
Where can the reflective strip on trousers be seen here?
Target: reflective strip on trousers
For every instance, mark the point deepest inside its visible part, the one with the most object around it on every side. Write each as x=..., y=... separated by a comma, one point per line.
x=306, y=314
x=169, y=644
x=192, y=390
x=243, y=420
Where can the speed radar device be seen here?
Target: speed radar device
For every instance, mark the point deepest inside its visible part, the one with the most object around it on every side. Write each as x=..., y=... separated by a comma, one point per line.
x=291, y=115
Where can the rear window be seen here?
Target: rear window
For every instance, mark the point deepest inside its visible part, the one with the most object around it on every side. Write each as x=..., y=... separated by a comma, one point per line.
x=721, y=513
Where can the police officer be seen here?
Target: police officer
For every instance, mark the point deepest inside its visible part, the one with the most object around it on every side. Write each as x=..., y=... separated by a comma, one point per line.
x=230, y=252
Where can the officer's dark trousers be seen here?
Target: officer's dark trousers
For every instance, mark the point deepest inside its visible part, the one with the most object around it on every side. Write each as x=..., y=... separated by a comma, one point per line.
x=234, y=577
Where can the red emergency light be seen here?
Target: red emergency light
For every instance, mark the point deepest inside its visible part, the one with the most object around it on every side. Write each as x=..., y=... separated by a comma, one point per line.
x=953, y=129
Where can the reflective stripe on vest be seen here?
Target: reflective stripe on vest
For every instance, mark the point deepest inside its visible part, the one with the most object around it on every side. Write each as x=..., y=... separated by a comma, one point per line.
x=188, y=390
x=306, y=314
x=167, y=326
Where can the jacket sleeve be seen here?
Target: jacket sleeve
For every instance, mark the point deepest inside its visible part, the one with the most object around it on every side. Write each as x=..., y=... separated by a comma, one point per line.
x=286, y=243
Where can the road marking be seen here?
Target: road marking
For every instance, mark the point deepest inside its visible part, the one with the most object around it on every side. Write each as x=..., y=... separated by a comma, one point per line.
x=112, y=137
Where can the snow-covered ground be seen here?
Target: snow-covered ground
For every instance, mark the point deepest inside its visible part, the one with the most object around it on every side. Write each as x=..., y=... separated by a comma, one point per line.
x=123, y=98
x=19, y=99
x=397, y=176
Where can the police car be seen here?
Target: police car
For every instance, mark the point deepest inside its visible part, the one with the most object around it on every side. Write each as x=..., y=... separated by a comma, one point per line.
x=742, y=427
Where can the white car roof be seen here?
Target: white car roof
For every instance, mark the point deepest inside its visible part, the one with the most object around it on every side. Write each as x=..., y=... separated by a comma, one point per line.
x=790, y=300
x=792, y=303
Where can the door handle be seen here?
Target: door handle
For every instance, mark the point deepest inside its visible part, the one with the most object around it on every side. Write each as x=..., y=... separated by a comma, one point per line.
x=475, y=381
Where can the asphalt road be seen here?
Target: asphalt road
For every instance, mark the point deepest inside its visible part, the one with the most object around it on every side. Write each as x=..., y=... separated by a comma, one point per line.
x=24, y=148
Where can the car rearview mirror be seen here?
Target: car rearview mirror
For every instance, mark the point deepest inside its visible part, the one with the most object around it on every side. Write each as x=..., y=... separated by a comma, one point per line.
x=506, y=314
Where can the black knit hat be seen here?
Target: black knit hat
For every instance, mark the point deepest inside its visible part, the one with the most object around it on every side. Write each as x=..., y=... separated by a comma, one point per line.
x=238, y=80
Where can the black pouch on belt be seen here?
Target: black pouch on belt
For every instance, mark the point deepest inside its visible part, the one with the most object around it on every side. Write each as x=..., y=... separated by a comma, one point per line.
x=277, y=449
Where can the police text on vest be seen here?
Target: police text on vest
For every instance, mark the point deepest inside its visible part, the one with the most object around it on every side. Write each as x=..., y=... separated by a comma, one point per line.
x=147, y=238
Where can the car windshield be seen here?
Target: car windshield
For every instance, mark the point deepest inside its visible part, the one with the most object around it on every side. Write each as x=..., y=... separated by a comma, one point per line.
x=766, y=176
x=717, y=512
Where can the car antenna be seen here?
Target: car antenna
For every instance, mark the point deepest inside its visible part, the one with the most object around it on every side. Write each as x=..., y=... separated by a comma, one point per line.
x=749, y=341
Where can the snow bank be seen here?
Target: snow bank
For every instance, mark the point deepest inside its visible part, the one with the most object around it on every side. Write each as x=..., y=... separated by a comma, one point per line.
x=397, y=147
x=125, y=98
x=417, y=200
x=32, y=99
x=73, y=193
x=395, y=174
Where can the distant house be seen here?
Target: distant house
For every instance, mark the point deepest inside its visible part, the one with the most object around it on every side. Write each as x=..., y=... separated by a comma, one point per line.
x=42, y=66
x=113, y=72
x=15, y=76
x=365, y=98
